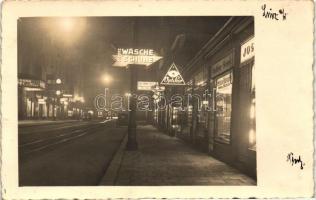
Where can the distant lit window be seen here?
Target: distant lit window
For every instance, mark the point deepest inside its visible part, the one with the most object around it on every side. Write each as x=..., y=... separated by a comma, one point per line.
x=190, y=112
x=223, y=107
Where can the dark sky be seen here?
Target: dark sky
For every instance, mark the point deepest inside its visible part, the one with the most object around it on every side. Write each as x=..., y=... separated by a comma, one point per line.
x=90, y=42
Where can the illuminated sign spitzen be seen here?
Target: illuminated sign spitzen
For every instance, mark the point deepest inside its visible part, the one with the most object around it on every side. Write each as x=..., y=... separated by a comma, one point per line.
x=125, y=57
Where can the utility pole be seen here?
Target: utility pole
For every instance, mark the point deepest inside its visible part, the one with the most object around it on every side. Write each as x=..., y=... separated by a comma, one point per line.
x=132, y=141
x=105, y=102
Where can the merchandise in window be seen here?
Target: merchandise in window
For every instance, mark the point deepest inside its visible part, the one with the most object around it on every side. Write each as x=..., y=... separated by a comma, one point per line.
x=223, y=107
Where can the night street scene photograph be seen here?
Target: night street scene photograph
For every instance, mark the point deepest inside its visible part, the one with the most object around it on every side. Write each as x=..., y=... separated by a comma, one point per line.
x=136, y=101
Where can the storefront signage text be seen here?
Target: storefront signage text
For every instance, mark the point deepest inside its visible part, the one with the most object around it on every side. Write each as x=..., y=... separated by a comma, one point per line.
x=31, y=83
x=247, y=50
x=41, y=101
x=146, y=86
x=200, y=79
x=223, y=82
x=129, y=56
x=222, y=65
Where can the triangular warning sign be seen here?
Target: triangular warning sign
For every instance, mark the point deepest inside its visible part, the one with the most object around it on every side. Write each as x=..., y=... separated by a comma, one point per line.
x=173, y=77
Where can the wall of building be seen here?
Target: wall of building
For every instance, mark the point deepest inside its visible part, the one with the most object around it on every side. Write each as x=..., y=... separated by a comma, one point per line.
x=218, y=63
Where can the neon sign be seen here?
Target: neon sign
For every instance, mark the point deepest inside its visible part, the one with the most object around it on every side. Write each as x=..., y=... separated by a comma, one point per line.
x=129, y=56
x=173, y=77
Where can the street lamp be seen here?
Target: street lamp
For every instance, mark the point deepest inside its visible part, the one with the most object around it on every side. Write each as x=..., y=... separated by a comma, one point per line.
x=67, y=24
x=68, y=29
x=58, y=81
x=128, y=94
x=106, y=78
x=58, y=93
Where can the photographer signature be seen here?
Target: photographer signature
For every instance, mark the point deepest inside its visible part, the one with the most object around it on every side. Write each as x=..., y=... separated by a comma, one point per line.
x=271, y=14
x=293, y=160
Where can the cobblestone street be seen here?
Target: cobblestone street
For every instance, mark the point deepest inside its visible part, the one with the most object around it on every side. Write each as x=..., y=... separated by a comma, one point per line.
x=165, y=160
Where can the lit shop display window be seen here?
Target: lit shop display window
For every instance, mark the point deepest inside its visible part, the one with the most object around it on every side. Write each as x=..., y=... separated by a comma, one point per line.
x=175, y=119
x=190, y=112
x=223, y=107
x=252, y=114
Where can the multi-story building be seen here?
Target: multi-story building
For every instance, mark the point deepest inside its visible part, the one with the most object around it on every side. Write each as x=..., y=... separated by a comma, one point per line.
x=47, y=86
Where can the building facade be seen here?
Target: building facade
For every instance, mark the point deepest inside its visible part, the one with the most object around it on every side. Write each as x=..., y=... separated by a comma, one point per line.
x=219, y=116
x=47, y=86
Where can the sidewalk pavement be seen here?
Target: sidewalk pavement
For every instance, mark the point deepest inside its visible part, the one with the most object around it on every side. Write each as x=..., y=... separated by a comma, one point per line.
x=164, y=160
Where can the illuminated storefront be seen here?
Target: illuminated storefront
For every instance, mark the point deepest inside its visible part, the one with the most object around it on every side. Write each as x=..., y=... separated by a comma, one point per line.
x=218, y=115
x=223, y=107
x=32, y=99
x=185, y=115
x=39, y=100
x=247, y=65
x=199, y=107
x=224, y=123
x=193, y=117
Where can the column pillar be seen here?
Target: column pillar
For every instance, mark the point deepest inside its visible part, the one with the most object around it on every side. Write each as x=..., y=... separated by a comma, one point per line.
x=132, y=142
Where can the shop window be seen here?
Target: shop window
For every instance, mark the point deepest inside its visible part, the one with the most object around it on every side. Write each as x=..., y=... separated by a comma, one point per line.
x=252, y=113
x=28, y=107
x=223, y=107
x=190, y=112
x=203, y=112
x=50, y=110
x=156, y=115
x=189, y=107
x=176, y=118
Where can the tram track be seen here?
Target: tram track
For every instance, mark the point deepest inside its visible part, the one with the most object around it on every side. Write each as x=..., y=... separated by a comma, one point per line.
x=49, y=127
x=55, y=137
x=72, y=156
